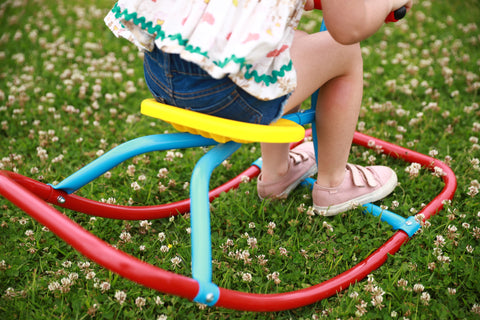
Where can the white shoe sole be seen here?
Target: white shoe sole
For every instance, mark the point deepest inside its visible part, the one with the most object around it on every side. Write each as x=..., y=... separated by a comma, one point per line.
x=366, y=198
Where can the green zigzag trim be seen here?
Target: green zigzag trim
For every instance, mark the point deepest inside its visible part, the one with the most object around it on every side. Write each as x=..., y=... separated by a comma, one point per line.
x=141, y=21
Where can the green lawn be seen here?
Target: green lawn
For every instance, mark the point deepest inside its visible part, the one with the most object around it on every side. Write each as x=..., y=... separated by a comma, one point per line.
x=70, y=91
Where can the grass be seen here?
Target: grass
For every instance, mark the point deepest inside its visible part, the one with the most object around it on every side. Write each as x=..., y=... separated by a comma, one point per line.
x=70, y=91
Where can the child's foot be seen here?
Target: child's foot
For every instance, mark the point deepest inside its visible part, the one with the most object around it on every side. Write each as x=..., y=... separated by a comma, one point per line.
x=302, y=164
x=361, y=185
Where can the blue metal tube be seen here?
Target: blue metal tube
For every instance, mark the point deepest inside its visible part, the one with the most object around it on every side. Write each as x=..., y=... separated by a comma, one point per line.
x=200, y=220
x=127, y=150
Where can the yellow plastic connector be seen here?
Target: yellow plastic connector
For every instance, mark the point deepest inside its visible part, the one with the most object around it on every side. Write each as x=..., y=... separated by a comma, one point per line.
x=223, y=130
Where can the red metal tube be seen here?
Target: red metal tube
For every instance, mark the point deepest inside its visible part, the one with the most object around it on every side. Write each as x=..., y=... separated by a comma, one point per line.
x=94, y=248
x=112, y=211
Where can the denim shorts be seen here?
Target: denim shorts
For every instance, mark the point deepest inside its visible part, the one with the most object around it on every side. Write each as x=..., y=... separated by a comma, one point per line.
x=183, y=84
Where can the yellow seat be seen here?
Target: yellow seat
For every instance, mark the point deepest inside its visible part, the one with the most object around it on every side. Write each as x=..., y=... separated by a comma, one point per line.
x=223, y=130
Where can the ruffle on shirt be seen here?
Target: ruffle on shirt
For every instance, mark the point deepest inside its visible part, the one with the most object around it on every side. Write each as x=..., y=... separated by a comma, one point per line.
x=247, y=40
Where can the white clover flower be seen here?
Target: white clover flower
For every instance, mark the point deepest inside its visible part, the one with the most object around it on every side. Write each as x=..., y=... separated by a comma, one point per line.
x=438, y=172
x=105, y=286
x=131, y=170
x=252, y=242
x=275, y=276
x=125, y=236
x=361, y=308
x=162, y=173
x=169, y=156
x=121, y=296
x=327, y=226
x=402, y=283
x=247, y=277
x=261, y=260
x=311, y=212
x=161, y=187
x=52, y=286
x=161, y=236
x=140, y=302
x=66, y=282
x=176, y=261
x=418, y=287
x=440, y=241
x=476, y=308
x=473, y=189
x=377, y=301
x=452, y=291
x=413, y=169
x=354, y=295
x=425, y=298
x=145, y=224
x=452, y=228
x=283, y=251
x=135, y=186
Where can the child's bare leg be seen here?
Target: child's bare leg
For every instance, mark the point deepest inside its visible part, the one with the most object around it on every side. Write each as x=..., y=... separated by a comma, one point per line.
x=337, y=111
x=275, y=156
x=338, y=72
x=322, y=62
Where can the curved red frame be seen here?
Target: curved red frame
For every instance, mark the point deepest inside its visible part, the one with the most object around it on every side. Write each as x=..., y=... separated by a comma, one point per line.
x=113, y=211
x=16, y=189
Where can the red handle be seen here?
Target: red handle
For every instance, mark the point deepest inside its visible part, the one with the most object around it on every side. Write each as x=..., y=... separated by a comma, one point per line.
x=396, y=15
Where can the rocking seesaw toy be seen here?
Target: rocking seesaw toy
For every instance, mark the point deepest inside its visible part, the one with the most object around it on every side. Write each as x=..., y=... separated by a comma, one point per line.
x=32, y=196
x=226, y=136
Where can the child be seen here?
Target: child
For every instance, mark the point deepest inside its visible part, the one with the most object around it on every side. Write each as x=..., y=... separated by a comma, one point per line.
x=245, y=60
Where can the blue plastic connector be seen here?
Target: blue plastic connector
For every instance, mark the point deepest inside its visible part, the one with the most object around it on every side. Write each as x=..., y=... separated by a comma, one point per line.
x=208, y=293
x=409, y=225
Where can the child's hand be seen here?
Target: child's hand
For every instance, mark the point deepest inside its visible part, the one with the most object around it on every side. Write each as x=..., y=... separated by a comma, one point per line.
x=362, y=19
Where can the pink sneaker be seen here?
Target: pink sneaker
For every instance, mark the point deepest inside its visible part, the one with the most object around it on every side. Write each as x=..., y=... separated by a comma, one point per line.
x=302, y=165
x=360, y=186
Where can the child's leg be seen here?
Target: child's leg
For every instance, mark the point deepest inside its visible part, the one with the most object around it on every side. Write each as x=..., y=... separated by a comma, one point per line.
x=337, y=70
x=322, y=62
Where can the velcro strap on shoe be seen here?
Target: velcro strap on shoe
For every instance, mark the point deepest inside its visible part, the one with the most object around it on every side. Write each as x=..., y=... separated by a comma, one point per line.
x=361, y=174
x=298, y=157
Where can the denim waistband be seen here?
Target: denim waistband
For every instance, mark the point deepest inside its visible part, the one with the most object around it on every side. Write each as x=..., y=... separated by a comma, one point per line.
x=184, y=84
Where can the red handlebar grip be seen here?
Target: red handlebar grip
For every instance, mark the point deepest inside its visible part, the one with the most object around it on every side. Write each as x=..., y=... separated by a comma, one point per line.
x=396, y=15
x=318, y=4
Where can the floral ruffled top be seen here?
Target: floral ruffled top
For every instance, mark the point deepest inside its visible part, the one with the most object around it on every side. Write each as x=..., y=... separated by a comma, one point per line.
x=246, y=40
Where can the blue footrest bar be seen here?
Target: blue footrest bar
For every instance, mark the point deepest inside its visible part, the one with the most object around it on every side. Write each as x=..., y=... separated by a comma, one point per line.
x=409, y=225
